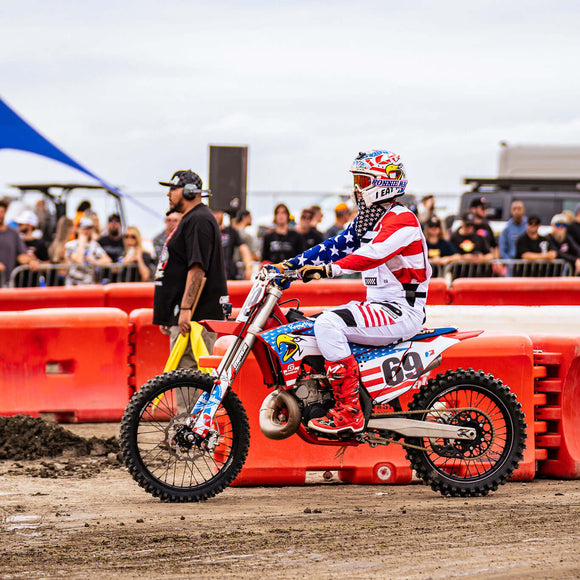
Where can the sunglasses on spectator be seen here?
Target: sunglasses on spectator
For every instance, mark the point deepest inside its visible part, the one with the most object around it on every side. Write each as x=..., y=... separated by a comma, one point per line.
x=533, y=223
x=561, y=225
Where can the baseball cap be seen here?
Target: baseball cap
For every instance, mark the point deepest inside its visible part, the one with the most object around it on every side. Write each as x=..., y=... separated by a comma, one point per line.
x=341, y=207
x=86, y=223
x=478, y=202
x=467, y=218
x=115, y=217
x=433, y=222
x=183, y=177
x=27, y=217
x=559, y=218
x=534, y=220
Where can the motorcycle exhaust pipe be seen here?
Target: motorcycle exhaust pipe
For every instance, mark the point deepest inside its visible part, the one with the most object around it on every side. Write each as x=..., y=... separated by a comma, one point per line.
x=279, y=415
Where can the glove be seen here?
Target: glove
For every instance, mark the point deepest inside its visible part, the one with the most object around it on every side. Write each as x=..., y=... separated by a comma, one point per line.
x=281, y=267
x=308, y=273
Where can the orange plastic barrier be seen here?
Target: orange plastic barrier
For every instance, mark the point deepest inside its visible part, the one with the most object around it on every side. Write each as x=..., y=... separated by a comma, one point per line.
x=68, y=363
x=515, y=291
x=129, y=296
x=51, y=297
x=557, y=388
x=286, y=462
x=330, y=292
x=148, y=348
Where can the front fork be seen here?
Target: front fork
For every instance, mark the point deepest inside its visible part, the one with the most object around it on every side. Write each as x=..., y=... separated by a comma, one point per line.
x=207, y=404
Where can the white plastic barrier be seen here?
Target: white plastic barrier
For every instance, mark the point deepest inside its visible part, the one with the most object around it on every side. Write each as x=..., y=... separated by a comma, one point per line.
x=527, y=319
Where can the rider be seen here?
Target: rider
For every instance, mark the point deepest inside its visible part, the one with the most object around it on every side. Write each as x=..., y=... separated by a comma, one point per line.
x=384, y=242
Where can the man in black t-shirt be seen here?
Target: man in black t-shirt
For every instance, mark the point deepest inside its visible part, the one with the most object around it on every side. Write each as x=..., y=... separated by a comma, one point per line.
x=231, y=241
x=192, y=252
x=533, y=247
x=472, y=248
x=112, y=241
x=478, y=208
x=574, y=227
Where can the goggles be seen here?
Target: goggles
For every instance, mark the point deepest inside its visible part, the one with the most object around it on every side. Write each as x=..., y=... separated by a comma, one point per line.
x=361, y=181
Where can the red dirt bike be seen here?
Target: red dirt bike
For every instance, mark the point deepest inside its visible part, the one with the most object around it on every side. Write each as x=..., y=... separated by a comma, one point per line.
x=185, y=434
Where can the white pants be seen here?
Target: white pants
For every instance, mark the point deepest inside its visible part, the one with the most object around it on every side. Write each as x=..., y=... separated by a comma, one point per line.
x=371, y=323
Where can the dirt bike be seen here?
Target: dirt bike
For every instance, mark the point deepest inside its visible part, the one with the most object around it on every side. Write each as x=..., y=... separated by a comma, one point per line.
x=185, y=434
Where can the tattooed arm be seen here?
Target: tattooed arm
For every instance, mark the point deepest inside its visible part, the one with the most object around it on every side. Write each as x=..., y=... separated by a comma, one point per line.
x=195, y=276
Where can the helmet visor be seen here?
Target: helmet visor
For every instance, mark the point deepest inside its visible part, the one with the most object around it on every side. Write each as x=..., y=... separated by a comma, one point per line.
x=361, y=181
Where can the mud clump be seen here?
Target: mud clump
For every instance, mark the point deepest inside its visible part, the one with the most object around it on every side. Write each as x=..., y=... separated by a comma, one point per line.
x=25, y=438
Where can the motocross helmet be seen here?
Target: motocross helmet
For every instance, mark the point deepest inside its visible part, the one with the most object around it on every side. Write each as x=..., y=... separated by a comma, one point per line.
x=379, y=176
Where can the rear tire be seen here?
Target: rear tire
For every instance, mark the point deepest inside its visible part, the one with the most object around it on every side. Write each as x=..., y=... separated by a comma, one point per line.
x=468, y=468
x=150, y=426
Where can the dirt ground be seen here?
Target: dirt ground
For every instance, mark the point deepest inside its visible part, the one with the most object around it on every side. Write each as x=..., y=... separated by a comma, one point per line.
x=79, y=514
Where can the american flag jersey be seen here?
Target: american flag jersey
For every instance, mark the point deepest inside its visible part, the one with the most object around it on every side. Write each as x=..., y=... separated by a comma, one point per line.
x=391, y=254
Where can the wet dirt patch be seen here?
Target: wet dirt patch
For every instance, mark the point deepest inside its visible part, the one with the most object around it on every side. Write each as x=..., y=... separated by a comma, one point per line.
x=39, y=448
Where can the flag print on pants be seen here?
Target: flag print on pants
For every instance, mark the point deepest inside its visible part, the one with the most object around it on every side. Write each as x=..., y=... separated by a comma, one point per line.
x=375, y=314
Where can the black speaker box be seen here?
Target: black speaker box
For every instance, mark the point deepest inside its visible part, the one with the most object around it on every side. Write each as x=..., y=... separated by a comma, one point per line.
x=228, y=173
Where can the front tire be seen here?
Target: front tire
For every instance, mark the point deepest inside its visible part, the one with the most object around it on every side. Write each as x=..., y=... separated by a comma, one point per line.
x=468, y=468
x=159, y=457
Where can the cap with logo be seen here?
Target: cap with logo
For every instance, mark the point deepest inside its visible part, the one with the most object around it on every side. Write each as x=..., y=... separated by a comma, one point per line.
x=468, y=218
x=183, y=177
x=341, y=208
x=478, y=202
x=433, y=222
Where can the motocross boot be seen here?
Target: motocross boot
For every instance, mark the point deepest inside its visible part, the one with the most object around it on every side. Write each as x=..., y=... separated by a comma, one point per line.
x=346, y=416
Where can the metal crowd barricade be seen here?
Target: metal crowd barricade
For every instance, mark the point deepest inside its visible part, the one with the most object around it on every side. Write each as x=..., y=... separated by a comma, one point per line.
x=506, y=268
x=55, y=275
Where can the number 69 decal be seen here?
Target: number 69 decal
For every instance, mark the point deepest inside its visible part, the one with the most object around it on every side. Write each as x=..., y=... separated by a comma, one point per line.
x=396, y=370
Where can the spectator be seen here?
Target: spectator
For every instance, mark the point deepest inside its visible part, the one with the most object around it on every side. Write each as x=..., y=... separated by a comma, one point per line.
x=342, y=217
x=426, y=208
x=574, y=227
x=135, y=254
x=56, y=250
x=309, y=234
x=317, y=215
x=440, y=251
x=112, y=241
x=472, y=247
x=82, y=207
x=46, y=223
x=13, y=250
x=242, y=221
x=478, y=207
x=565, y=246
x=84, y=254
x=27, y=223
x=533, y=247
x=230, y=242
x=190, y=255
x=515, y=227
x=172, y=219
x=282, y=242
x=36, y=249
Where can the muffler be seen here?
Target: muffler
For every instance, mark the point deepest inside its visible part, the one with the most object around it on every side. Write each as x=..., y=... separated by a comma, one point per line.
x=279, y=415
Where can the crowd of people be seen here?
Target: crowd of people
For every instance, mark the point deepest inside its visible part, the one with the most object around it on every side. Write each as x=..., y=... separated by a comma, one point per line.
x=120, y=254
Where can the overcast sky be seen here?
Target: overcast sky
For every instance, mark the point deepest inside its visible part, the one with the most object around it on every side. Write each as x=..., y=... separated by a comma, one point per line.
x=136, y=89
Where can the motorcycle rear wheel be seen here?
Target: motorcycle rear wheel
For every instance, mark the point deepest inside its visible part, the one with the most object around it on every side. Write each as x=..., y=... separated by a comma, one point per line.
x=165, y=464
x=468, y=468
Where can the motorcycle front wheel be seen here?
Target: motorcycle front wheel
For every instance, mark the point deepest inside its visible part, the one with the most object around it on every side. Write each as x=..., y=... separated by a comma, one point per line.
x=478, y=401
x=156, y=448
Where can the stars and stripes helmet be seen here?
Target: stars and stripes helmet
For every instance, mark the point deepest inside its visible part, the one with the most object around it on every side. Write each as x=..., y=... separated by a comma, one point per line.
x=379, y=176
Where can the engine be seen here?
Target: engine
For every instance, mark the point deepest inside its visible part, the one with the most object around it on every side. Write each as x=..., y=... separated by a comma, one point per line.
x=282, y=411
